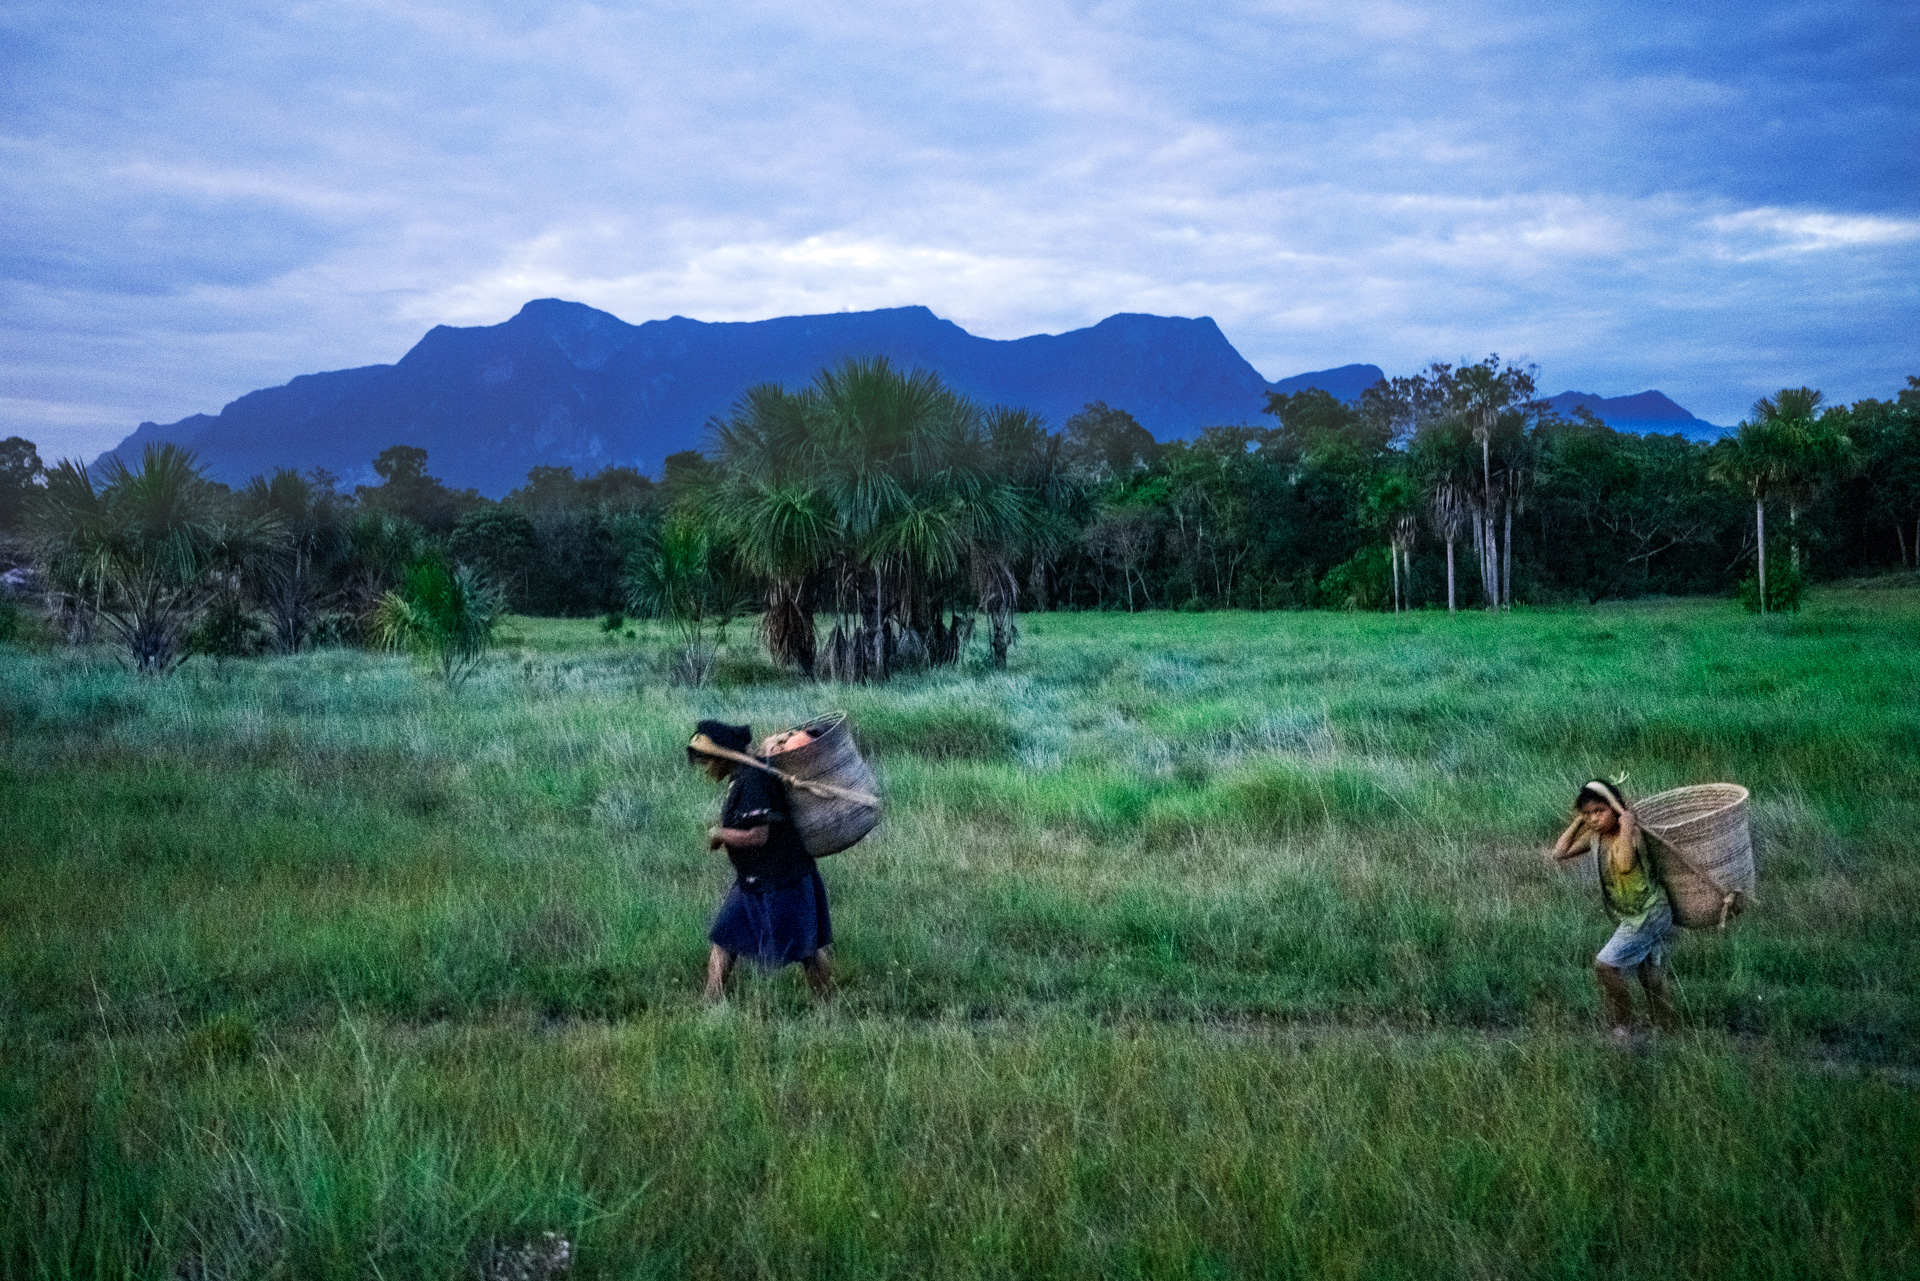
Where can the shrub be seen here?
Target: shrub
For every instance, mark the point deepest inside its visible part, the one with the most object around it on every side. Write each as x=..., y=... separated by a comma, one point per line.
x=228, y=629
x=338, y=628
x=445, y=615
x=136, y=555
x=1785, y=586
x=670, y=577
x=1360, y=582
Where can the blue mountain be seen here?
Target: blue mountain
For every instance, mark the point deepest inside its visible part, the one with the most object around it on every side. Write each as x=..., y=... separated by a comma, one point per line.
x=1647, y=413
x=1345, y=383
x=565, y=385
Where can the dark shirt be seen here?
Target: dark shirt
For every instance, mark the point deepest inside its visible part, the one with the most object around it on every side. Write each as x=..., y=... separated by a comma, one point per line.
x=757, y=799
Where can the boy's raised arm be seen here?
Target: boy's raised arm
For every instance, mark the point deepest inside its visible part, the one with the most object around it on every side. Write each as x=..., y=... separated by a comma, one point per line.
x=1566, y=847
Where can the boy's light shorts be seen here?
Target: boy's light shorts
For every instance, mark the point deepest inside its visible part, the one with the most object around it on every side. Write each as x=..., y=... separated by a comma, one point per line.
x=1633, y=943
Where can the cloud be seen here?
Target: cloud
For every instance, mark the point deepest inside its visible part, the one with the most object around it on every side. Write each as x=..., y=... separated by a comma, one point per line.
x=1779, y=232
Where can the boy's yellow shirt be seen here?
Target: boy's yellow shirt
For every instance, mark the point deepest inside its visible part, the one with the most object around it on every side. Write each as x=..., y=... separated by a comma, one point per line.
x=1631, y=894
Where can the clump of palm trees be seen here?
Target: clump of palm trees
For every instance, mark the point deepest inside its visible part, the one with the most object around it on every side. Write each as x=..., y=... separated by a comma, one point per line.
x=883, y=500
x=137, y=556
x=164, y=563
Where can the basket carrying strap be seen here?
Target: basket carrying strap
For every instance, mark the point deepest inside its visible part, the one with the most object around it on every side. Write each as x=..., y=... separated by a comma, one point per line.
x=711, y=748
x=1727, y=897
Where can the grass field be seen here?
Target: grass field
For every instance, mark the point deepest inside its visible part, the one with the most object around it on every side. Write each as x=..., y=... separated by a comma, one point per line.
x=1194, y=945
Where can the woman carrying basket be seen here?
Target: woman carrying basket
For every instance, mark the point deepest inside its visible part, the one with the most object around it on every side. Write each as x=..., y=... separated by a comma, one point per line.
x=1633, y=897
x=776, y=913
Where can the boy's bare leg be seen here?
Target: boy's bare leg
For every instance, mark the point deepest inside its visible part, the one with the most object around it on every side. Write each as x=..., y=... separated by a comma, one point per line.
x=819, y=977
x=719, y=961
x=1653, y=979
x=1618, y=998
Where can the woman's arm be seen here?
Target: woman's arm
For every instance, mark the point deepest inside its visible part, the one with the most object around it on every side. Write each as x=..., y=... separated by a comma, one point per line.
x=743, y=837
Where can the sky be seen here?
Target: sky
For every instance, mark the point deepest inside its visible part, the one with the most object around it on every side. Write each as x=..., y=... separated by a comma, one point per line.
x=1716, y=200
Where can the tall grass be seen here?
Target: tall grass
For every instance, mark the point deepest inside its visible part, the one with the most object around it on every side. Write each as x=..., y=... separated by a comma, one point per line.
x=1201, y=945
x=741, y=1146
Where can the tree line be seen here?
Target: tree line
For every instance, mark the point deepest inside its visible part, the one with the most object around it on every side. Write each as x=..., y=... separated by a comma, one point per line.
x=871, y=517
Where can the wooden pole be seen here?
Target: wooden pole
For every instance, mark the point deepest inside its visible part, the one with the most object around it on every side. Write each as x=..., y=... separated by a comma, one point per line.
x=707, y=747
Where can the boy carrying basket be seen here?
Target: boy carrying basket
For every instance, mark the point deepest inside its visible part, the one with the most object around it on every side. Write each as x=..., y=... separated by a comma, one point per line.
x=1604, y=825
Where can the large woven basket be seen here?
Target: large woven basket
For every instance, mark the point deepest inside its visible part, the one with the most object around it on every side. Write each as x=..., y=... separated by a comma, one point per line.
x=829, y=824
x=1704, y=854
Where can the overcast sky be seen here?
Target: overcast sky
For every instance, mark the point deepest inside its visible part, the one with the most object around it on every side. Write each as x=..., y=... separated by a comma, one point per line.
x=1712, y=199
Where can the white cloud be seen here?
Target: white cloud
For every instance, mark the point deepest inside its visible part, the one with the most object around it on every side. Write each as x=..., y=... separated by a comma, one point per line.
x=1755, y=234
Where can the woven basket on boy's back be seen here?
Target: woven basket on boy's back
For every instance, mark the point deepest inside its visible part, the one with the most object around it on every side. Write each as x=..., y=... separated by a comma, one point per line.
x=1702, y=851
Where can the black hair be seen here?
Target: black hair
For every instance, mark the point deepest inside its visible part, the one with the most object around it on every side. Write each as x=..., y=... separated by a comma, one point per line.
x=734, y=738
x=1600, y=792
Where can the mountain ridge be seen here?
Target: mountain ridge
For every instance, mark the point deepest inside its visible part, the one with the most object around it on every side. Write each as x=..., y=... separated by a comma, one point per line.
x=562, y=383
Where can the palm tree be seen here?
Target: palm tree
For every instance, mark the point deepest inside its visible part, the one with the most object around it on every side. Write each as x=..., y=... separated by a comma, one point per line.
x=1022, y=454
x=1520, y=463
x=1815, y=451
x=137, y=554
x=380, y=546
x=1449, y=517
x=243, y=545
x=1789, y=412
x=777, y=515
x=1015, y=515
x=671, y=578
x=291, y=580
x=1441, y=455
x=1390, y=510
x=1781, y=452
x=1758, y=461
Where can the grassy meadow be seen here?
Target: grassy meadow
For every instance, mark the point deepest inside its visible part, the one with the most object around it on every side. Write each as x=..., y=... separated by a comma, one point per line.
x=1193, y=945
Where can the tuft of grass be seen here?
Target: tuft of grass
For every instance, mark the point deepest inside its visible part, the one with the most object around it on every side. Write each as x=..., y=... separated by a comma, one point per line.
x=949, y=726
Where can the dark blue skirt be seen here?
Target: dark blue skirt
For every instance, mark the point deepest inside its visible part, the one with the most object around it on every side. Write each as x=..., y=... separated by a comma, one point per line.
x=778, y=926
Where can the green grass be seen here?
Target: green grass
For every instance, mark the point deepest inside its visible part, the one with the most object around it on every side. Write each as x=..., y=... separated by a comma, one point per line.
x=1193, y=945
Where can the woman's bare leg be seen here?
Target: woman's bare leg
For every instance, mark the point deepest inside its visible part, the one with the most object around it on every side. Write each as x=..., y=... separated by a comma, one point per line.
x=719, y=961
x=819, y=976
